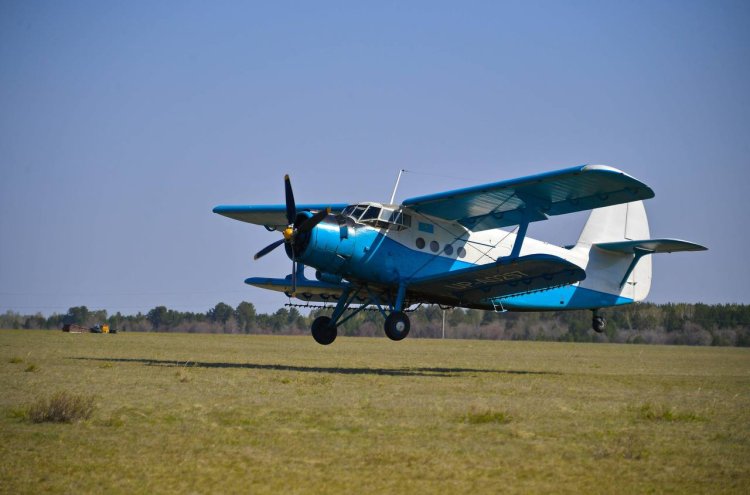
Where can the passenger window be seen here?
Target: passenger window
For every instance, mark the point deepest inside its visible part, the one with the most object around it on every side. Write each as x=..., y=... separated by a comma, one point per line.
x=461, y=252
x=434, y=246
x=448, y=249
x=420, y=243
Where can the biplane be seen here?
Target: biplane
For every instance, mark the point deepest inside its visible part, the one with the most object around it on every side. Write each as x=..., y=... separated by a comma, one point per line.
x=466, y=248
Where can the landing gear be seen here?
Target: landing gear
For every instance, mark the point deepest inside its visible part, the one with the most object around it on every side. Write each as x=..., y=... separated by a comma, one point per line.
x=397, y=325
x=598, y=323
x=323, y=331
x=396, y=322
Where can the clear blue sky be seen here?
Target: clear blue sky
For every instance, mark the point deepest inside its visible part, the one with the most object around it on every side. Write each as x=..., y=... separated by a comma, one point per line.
x=123, y=123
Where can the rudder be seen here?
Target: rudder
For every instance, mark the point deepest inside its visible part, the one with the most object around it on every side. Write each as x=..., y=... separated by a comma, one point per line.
x=626, y=221
x=621, y=222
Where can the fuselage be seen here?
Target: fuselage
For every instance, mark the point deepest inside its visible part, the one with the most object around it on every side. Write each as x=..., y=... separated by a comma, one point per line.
x=377, y=252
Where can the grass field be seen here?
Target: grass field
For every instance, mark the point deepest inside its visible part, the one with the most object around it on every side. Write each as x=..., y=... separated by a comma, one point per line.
x=177, y=413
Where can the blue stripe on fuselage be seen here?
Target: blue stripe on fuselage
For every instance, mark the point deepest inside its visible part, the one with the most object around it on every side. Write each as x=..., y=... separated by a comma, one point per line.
x=560, y=298
x=374, y=256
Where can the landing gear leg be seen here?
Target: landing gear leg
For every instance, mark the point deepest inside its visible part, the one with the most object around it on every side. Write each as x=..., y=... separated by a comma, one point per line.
x=324, y=328
x=397, y=324
x=598, y=323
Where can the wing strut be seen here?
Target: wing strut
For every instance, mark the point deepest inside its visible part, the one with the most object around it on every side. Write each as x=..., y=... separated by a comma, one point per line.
x=521, y=235
x=534, y=210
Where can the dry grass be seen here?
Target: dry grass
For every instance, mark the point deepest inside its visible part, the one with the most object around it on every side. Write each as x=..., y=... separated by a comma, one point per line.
x=228, y=413
x=664, y=413
x=61, y=407
x=478, y=417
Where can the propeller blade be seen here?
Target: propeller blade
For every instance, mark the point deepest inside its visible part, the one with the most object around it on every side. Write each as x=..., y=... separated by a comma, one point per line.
x=314, y=220
x=268, y=249
x=291, y=208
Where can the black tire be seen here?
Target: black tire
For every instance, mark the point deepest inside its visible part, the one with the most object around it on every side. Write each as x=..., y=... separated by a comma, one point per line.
x=598, y=323
x=322, y=331
x=397, y=325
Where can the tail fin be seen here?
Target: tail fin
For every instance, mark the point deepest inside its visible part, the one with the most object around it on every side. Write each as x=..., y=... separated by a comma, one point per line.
x=605, y=269
x=615, y=223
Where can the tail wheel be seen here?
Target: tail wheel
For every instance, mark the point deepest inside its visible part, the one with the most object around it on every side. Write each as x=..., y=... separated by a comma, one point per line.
x=397, y=325
x=598, y=323
x=322, y=331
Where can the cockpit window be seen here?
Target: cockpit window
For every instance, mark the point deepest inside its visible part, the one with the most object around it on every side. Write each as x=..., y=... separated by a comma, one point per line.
x=377, y=216
x=358, y=212
x=400, y=218
x=371, y=214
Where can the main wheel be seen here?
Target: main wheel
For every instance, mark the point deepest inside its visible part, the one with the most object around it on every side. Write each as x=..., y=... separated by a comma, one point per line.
x=322, y=331
x=397, y=325
x=598, y=323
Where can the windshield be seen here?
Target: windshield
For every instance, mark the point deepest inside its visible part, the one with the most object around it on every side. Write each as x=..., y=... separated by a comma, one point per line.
x=358, y=212
x=371, y=214
x=377, y=216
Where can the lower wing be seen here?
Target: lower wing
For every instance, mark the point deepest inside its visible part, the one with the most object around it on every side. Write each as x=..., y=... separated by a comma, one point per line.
x=479, y=285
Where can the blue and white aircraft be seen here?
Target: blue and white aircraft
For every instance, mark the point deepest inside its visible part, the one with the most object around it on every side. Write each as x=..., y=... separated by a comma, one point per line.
x=467, y=248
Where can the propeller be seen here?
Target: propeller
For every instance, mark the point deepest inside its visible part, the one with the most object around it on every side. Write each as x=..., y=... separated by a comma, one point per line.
x=293, y=229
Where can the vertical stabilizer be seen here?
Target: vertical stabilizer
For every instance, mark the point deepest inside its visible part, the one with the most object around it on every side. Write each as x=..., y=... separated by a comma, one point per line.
x=605, y=270
x=615, y=223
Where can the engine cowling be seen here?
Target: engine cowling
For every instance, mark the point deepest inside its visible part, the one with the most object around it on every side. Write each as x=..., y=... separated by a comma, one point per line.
x=337, y=247
x=327, y=247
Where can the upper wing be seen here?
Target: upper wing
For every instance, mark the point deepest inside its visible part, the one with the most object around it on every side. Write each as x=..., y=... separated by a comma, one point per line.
x=535, y=197
x=479, y=284
x=272, y=216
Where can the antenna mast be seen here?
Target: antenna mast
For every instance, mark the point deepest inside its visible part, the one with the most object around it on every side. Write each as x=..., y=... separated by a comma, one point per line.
x=393, y=196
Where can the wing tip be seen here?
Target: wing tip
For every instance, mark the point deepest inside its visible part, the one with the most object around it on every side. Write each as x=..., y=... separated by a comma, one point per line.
x=600, y=166
x=642, y=190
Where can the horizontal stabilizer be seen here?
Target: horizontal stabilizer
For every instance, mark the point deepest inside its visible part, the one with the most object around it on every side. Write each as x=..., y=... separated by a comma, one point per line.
x=503, y=278
x=639, y=249
x=650, y=246
x=307, y=290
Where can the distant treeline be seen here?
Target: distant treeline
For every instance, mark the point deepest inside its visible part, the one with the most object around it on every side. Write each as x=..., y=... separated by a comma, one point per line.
x=687, y=324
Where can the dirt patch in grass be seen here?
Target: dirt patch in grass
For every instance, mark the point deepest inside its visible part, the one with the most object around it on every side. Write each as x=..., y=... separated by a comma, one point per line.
x=627, y=445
